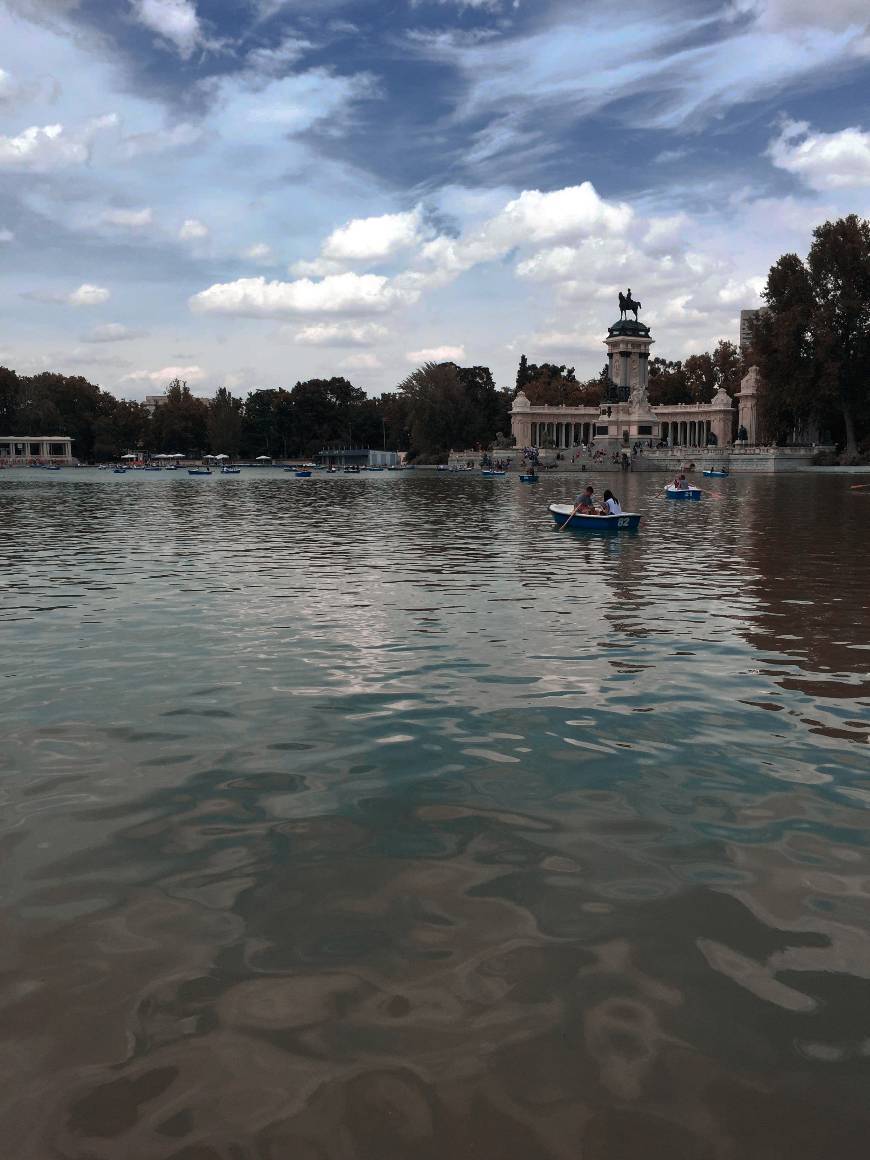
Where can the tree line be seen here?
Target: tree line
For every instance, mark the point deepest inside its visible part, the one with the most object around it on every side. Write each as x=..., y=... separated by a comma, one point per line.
x=438, y=407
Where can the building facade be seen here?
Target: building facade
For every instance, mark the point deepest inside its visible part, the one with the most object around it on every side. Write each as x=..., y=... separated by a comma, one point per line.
x=18, y=450
x=625, y=417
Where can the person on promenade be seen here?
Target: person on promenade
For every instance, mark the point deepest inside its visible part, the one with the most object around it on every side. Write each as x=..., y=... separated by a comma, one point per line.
x=611, y=504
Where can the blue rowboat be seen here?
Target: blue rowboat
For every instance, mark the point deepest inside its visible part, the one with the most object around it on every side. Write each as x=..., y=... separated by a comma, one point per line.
x=199, y=471
x=119, y=471
x=580, y=521
x=51, y=467
x=491, y=474
x=302, y=474
x=714, y=473
x=689, y=492
x=231, y=471
x=529, y=478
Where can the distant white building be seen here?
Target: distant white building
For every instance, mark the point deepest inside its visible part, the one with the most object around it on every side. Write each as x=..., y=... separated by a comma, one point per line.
x=16, y=450
x=152, y=402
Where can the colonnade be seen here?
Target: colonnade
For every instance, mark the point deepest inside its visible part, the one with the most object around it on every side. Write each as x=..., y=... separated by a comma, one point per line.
x=686, y=432
x=563, y=435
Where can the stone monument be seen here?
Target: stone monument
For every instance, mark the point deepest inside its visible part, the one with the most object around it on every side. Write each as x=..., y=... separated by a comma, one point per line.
x=626, y=416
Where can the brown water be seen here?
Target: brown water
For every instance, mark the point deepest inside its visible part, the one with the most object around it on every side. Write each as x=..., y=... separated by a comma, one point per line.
x=372, y=818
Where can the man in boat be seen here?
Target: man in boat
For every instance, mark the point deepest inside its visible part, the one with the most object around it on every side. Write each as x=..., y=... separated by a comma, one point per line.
x=585, y=501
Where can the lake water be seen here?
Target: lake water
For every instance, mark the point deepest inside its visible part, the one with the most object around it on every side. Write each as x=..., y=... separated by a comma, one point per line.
x=369, y=818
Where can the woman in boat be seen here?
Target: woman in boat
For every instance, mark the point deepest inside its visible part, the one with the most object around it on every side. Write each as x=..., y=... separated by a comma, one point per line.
x=611, y=505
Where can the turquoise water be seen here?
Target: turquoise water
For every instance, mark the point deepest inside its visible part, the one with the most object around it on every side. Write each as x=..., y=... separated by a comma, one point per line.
x=372, y=818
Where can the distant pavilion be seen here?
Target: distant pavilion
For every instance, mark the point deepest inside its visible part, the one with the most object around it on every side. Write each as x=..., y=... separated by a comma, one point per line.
x=20, y=450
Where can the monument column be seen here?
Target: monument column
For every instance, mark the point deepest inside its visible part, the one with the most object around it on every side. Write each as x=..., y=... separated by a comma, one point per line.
x=628, y=345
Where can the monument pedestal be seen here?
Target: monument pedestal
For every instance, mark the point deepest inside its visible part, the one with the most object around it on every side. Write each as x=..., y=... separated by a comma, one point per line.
x=626, y=416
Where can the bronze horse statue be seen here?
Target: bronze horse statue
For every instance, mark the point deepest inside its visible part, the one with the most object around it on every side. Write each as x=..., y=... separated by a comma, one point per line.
x=626, y=303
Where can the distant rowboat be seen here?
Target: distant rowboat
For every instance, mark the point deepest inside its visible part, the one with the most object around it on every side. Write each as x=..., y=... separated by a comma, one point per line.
x=688, y=492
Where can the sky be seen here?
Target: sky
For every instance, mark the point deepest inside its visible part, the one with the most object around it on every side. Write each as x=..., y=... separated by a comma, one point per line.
x=250, y=193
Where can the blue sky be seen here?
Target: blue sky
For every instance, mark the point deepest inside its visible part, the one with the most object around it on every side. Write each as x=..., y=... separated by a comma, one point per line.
x=247, y=194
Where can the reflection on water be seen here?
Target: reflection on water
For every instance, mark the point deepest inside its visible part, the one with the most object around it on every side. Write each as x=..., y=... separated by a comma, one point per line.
x=373, y=818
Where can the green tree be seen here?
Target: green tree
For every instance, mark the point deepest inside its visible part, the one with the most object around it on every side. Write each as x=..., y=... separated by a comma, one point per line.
x=450, y=406
x=179, y=424
x=122, y=426
x=10, y=401
x=224, y=423
x=812, y=345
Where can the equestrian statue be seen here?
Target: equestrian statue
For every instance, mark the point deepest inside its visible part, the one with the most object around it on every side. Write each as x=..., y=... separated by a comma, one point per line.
x=626, y=303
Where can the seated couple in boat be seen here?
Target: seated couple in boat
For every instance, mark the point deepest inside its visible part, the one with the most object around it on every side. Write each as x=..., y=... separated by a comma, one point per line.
x=585, y=504
x=680, y=481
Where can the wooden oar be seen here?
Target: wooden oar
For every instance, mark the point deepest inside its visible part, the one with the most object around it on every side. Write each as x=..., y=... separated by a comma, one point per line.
x=855, y=486
x=570, y=518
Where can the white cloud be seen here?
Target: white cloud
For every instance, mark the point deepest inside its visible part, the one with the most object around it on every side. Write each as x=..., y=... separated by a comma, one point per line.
x=190, y=374
x=336, y=294
x=279, y=58
x=177, y=136
x=88, y=295
x=174, y=20
x=193, y=230
x=361, y=362
x=436, y=354
x=41, y=147
x=341, y=334
x=260, y=253
x=6, y=235
x=373, y=238
x=533, y=217
x=111, y=332
x=823, y=160
x=130, y=219
x=743, y=295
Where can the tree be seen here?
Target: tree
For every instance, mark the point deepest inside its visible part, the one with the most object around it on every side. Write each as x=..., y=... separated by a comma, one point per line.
x=839, y=268
x=10, y=400
x=450, y=406
x=224, y=423
x=179, y=424
x=522, y=372
x=122, y=425
x=812, y=345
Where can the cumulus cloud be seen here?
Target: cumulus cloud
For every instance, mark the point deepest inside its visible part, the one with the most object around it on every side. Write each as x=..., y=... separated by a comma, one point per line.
x=532, y=218
x=373, y=238
x=341, y=334
x=111, y=332
x=84, y=295
x=42, y=148
x=128, y=219
x=88, y=295
x=6, y=235
x=189, y=374
x=336, y=294
x=436, y=354
x=172, y=20
x=192, y=230
x=823, y=160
